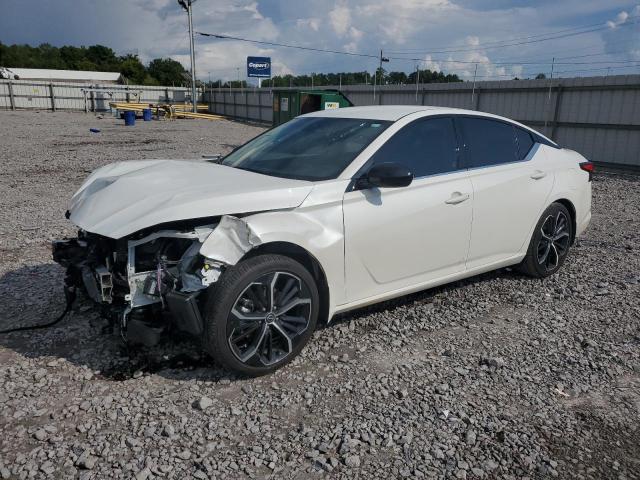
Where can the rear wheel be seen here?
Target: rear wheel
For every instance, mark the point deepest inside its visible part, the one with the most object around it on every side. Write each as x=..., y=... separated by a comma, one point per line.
x=550, y=242
x=260, y=314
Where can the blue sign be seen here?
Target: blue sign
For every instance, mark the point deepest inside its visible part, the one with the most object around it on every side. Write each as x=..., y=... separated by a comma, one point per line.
x=259, y=67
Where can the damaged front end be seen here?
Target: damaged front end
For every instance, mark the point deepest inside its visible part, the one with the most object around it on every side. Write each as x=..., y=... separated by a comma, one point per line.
x=152, y=280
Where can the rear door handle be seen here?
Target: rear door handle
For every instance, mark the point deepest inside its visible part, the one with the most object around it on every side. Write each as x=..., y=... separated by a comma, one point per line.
x=457, y=197
x=538, y=174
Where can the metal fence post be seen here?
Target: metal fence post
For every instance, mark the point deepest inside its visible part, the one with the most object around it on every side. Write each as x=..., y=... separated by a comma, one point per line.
x=11, y=99
x=127, y=95
x=235, y=107
x=53, y=97
x=260, y=105
x=93, y=101
x=246, y=105
x=554, y=122
x=476, y=103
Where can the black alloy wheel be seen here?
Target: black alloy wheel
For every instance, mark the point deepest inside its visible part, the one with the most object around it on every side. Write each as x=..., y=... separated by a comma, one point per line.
x=268, y=319
x=260, y=314
x=550, y=242
x=554, y=240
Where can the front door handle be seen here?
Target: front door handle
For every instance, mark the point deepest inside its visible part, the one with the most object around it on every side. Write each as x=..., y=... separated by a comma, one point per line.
x=538, y=174
x=457, y=197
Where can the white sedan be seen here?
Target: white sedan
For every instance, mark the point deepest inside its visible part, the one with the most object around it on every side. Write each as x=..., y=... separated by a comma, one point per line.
x=329, y=212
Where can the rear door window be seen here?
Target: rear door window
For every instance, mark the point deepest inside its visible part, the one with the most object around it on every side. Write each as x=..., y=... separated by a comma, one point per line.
x=425, y=146
x=487, y=142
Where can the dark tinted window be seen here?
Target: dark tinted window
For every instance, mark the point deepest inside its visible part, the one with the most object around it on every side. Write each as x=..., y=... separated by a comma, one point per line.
x=525, y=142
x=488, y=142
x=313, y=148
x=426, y=147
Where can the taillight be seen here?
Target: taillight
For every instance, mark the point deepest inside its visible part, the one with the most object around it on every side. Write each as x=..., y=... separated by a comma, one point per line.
x=588, y=167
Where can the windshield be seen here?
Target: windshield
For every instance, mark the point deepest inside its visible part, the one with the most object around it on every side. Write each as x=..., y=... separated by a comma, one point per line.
x=313, y=148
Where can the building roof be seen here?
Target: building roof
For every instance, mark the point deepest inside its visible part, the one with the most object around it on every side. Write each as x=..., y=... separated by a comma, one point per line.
x=50, y=74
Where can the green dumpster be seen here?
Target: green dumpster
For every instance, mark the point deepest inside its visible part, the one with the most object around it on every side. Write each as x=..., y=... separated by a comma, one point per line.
x=288, y=104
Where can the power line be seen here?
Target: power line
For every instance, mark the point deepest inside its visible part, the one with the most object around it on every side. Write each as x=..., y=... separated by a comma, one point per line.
x=274, y=44
x=465, y=62
x=410, y=59
x=541, y=62
x=513, y=44
x=599, y=24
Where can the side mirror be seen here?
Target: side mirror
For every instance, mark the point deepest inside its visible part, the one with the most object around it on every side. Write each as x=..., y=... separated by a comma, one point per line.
x=388, y=175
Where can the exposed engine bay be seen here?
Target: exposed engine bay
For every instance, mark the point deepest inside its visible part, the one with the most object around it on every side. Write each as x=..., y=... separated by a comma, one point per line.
x=153, y=278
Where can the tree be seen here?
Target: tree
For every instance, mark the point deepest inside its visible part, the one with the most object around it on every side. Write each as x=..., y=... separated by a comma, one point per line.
x=167, y=71
x=132, y=69
x=104, y=57
x=541, y=76
x=428, y=76
x=397, y=78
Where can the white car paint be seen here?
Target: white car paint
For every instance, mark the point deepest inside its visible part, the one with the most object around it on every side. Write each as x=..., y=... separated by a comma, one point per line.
x=122, y=198
x=391, y=232
x=371, y=244
x=505, y=200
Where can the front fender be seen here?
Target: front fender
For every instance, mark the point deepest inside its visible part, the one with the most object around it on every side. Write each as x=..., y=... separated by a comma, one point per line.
x=318, y=230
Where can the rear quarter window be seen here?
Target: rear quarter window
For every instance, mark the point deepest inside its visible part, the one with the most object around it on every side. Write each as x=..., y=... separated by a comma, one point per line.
x=524, y=141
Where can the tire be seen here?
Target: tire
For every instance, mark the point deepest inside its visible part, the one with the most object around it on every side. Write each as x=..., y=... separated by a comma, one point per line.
x=550, y=243
x=242, y=328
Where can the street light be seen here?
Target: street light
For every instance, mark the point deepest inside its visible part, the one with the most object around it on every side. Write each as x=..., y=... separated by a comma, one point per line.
x=186, y=4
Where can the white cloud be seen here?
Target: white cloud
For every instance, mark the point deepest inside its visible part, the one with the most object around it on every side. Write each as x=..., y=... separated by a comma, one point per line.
x=623, y=35
x=312, y=23
x=340, y=19
x=402, y=28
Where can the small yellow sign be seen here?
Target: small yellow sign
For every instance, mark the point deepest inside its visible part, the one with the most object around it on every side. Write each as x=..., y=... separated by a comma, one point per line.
x=331, y=105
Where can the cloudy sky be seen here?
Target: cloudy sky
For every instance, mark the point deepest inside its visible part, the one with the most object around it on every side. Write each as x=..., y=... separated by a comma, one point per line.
x=448, y=35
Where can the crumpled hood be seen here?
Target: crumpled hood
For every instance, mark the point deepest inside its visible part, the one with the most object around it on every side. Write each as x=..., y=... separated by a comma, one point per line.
x=122, y=198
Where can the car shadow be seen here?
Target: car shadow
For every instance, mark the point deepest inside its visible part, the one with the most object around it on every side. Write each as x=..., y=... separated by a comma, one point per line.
x=423, y=296
x=33, y=295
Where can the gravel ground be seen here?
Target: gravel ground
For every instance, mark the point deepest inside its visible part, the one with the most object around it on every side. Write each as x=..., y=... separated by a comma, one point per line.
x=498, y=376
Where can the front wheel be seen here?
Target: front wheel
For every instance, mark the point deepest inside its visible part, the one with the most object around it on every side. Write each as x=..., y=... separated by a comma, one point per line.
x=550, y=242
x=260, y=314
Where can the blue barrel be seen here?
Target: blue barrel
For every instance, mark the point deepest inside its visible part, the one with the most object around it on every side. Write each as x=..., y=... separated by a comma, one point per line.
x=146, y=114
x=129, y=118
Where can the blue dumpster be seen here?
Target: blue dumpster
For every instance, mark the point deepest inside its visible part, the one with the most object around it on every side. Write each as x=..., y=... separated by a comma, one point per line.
x=146, y=114
x=129, y=118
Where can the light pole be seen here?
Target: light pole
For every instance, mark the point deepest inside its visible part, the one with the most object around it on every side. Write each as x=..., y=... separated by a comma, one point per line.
x=186, y=4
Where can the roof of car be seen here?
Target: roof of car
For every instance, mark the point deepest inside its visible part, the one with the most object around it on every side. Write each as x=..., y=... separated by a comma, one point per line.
x=396, y=112
x=389, y=112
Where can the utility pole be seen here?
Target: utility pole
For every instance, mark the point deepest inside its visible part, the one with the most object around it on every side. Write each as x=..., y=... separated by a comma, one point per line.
x=238, y=70
x=186, y=4
x=473, y=90
x=382, y=59
x=417, y=81
x=553, y=62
